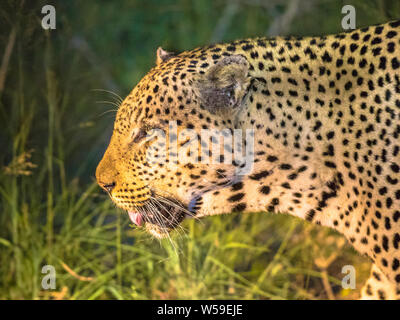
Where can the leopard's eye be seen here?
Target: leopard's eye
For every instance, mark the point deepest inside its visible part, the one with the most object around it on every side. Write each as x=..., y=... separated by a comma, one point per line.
x=145, y=131
x=140, y=135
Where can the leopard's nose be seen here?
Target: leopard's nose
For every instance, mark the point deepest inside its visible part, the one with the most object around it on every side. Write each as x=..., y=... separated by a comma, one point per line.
x=108, y=186
x=106, y=173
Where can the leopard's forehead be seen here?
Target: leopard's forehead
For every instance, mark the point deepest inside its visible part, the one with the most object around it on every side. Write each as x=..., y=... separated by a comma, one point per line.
x=165, y=92
x=166, y=89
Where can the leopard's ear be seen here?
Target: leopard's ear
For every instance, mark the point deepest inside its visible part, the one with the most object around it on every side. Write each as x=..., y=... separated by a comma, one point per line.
x=225, y=84
x=163, y=55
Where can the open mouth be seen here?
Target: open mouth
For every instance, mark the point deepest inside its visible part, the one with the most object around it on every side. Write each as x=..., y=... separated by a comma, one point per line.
x=159, y=215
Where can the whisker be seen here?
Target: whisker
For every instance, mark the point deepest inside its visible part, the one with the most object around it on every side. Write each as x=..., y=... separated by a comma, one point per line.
x=156, y=214
x=177, y=206
x=108, y=102
x=105, y=112
x=119, y=99
x=180, y=229
x=174, y=219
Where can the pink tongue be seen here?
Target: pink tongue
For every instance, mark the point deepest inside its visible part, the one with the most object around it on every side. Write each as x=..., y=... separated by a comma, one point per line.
x=135, y=217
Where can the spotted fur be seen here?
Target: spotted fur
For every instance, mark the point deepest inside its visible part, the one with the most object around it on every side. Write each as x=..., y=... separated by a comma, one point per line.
x=326, y=116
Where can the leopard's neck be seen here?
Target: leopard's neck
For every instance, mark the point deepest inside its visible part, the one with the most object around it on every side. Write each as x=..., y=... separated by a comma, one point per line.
x=306, y=105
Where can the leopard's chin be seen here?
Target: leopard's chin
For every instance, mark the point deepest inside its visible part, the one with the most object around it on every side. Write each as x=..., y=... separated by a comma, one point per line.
x=159, y=216
x=157, y=231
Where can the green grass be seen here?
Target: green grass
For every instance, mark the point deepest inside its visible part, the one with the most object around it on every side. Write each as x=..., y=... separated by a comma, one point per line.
x=53, y=134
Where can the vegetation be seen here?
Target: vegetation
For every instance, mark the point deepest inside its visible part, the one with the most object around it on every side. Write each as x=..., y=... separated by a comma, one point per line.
x=57, y=102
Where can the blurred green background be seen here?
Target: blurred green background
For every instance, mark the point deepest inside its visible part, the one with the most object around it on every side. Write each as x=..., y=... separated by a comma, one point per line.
x=58, y=96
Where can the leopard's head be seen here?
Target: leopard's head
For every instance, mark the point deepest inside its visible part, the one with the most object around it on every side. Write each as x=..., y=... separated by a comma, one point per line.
x=156, y=165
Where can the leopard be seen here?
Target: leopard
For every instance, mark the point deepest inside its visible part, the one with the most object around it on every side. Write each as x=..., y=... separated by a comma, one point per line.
x=323, y=117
